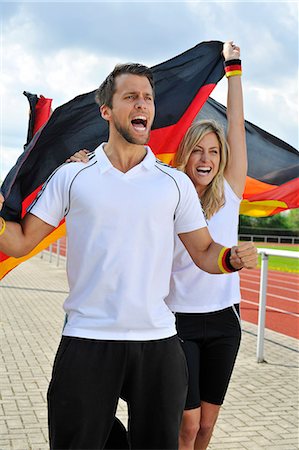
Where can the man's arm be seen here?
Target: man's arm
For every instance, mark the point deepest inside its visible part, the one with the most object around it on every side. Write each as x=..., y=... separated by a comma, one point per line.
x=205, y=252
x=18, y=239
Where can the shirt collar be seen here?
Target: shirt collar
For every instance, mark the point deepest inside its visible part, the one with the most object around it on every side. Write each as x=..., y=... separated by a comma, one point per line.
x=149, y=160
x=105, y=164
x=102, y=159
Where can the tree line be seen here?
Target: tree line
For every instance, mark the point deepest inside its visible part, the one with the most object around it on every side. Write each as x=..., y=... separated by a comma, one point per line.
x=286, y=223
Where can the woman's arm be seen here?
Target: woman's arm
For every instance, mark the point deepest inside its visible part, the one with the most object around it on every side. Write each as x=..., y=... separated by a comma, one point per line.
x=236, y=169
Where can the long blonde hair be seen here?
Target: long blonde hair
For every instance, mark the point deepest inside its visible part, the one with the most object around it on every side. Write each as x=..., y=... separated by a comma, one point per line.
x=213, y=197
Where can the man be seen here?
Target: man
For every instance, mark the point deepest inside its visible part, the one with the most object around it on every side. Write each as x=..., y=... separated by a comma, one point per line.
x=122, y=210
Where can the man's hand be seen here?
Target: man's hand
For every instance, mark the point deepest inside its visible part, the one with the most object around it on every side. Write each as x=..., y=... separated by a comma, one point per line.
x=244, y=255
x=80, y=156
x=230, y=51
x=1, y=201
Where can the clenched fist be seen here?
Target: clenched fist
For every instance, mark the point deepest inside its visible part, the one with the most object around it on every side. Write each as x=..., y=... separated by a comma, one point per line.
x=230, y=51
x=244, y=255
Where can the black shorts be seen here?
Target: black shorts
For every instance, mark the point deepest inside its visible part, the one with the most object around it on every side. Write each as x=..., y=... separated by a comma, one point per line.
x=211, y=342
x=89, y=377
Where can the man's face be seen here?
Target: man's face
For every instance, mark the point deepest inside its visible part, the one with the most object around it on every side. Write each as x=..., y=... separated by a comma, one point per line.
x=133, y=109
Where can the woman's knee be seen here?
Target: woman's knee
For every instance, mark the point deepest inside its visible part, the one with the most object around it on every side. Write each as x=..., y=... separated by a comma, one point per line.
x=189, y=427
x=206, y=429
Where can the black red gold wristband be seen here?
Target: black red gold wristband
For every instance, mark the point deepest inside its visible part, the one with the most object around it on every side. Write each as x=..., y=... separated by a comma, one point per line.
x=233, y=67
x=224, y=261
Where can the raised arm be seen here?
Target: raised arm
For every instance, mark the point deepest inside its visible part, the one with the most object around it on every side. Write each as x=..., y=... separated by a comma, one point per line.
x=236, y=170
x=18, y=239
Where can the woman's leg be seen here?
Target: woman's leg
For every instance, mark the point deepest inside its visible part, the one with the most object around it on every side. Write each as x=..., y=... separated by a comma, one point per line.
x=189, y=428
x=211, y=343
x=209, y=415
x=218, y=355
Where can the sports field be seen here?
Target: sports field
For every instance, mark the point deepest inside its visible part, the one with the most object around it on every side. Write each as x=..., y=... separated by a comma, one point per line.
x=279, y=262
x=282, y=310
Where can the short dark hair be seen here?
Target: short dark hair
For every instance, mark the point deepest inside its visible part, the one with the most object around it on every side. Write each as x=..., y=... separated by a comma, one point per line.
x=104, y=93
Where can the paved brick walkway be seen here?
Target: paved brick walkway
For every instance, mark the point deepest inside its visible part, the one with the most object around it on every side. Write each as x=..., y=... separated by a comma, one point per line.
x=261, y=408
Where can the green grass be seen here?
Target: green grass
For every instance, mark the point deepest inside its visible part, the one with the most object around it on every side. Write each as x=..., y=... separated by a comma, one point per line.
x=278, y=262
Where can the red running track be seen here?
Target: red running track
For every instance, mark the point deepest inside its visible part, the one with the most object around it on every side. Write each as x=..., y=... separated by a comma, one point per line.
x=282, y=304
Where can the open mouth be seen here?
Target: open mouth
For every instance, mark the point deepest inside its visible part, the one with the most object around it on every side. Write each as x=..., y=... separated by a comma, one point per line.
x=204, y=170
x=139, y=123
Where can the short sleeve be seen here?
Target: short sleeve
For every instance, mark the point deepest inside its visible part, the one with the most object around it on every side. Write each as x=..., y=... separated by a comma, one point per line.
x=189, y=215
x=51, y=202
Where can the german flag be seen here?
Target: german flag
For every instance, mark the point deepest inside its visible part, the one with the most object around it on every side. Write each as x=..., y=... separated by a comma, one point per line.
x=272, y=184
x=182, y=83
x=39, y=113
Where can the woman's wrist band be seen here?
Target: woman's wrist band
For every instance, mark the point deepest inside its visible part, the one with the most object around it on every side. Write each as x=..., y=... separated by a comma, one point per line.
x=3, y=225
x=233, y=67
x=224, y=261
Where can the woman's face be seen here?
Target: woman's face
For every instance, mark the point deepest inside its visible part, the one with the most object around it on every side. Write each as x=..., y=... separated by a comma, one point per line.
x=203, y=163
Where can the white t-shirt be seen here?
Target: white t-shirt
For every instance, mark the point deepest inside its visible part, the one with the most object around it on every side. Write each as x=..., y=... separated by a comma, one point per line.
x=120, y=230
x=195, y=291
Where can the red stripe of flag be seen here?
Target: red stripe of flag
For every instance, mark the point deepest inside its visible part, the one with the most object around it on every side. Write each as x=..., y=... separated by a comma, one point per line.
x=42, y=112
x=233, y=67
x=167, y=139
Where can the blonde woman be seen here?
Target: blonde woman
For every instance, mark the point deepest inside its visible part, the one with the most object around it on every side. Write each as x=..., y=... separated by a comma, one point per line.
x=207, y=306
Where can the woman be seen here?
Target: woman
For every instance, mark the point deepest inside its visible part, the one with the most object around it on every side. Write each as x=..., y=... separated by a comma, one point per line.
x=207, y=306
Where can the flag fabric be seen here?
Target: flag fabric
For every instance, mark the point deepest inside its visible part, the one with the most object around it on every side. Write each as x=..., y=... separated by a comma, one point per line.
x=182, y=86
x=272, y=184
x=39, y=113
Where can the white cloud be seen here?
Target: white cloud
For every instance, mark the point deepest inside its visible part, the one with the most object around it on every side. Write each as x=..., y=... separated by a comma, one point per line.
x=8, y=157
x=60, y=76
x=274, y=108
x=73, y=72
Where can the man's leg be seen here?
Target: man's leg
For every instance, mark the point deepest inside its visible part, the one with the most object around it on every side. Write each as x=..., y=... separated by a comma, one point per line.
x=83, y=393
x=155, y=389
x=118, y=437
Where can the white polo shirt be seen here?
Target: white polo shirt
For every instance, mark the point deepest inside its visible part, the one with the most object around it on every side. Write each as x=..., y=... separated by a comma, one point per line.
x=194, y=291
x=120, y=230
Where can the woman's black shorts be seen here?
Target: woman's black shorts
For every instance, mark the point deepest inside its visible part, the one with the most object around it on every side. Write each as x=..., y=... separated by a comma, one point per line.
x=211, y=342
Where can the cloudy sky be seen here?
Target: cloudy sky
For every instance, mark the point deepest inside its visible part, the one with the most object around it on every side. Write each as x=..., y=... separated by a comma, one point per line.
x=62, y=49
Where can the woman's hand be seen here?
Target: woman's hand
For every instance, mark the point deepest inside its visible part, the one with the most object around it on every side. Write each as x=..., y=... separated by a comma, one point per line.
x=230, y=51
x=80, y=156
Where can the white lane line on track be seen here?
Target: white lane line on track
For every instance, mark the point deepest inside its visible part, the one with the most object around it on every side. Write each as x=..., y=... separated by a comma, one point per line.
x=272, y=308
x=290, y=279
x=271, y=295
x=269, y=285
x=270, y=279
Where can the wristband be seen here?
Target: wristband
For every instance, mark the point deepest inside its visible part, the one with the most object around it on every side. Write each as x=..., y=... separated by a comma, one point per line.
x=233, y=67
x=224, y=261
x=3, y=226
